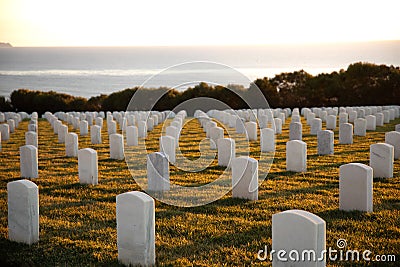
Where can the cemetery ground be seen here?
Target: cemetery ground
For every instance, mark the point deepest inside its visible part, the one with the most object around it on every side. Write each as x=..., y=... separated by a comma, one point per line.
x=78, y=222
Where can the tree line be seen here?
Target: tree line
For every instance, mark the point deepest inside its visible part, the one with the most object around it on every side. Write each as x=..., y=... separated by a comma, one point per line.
x=361, y=84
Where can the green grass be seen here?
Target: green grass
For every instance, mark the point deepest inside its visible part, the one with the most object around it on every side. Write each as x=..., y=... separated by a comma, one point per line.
x=78, y=224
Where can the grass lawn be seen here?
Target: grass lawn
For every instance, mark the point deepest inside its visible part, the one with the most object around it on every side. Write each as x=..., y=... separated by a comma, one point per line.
x=78, y=222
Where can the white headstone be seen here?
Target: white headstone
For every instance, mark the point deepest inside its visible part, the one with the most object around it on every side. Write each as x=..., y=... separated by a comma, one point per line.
x=296, y=156
x=99, y=122
x=111, y=127
x=5, y=132
x=295, y=118
x=371, y=122
x=352, y=116
x=23, y=211
x=343, y=118
x=379, y=119
x=83, y=128
x=157, y=172
x=32, y=127
x=251, y=129
x=142, y=129
x=386, y=116
x=360, y=127
x=346, y=133
x=245, y=178
x=11, y=124
x=355, y=187
x=215, y=134
x=331, y=122
x=29, y=161
x=117, y=147
x=295, y=131
x=31, y=139
x=240, y=128
x=62, y=132
x=397, y=128
x=95, y=134
x=150, y=124
x=325, y=142
x=298, y=230
x=173, y=132
x=267, y=140
x=87, y=166
x=393, y=138
x=278, y=125
x=226, y=151
x=132, y=136
x=168, y=147
x=209, y=125
x=316, y=126
x=381, y=160
x=71, y=145
x=136, y=229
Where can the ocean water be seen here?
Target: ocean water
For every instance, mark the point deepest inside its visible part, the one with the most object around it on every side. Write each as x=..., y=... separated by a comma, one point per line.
x=90, y=71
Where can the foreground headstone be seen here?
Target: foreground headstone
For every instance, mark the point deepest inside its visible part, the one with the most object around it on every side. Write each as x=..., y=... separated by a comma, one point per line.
x=132, y=136
x=87, y=166
x=245, y=178
x=298, y=230
x=296, y=156
x=117, y=147
x=346, y=133
x=226, y=151
x=381, y=160
x=325, y=142
x=136, y=229
x=157, y=172
x=31, y=139
x=168, y=147
x=355, y=187
x=95, y=134
x=267, y=140
x=29, y=161
x=23, y=211
x=71, y=145
x=393, y=138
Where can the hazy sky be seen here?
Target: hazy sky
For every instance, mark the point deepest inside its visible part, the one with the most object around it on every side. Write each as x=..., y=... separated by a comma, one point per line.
x=206, y=22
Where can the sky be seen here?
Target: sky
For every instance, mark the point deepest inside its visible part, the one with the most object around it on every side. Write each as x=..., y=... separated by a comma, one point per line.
x=206, y=22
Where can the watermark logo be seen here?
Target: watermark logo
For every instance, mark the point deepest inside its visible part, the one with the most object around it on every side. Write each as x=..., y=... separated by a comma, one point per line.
x=144, y=103
x=331, y=254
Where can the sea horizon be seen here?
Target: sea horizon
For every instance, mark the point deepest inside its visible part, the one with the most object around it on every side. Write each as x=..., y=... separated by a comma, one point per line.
x=95, y=70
